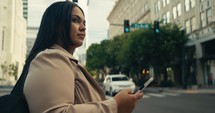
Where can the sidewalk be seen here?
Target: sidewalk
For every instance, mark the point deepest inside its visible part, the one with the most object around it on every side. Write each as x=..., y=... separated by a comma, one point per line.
x=198, y=90
x=5, y=90
x=210, y=90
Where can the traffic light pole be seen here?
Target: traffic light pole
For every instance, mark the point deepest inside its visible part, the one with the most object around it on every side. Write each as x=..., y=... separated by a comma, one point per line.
x=116, y=24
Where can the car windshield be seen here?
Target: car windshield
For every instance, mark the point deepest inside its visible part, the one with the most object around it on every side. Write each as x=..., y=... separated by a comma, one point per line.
x=119, y=79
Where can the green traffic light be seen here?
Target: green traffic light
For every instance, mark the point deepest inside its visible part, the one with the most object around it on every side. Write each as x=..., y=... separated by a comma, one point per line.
x=157, y=30
x=126, y=30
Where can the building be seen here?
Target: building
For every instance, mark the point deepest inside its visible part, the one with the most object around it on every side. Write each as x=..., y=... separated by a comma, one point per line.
x=196, y=17
x=34, y=11
x=25, y=9
x=12, y=40
x=31, y=36
x=136, y=11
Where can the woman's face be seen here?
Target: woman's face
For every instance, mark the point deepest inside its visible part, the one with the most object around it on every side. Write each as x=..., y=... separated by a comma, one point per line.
x=77, y=31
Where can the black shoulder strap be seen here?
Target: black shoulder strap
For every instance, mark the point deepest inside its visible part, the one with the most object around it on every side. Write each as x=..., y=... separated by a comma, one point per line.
x=18, y=88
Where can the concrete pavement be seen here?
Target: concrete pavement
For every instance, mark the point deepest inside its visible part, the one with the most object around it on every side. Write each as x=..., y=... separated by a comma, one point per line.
x=5, y=90
x=180, y=90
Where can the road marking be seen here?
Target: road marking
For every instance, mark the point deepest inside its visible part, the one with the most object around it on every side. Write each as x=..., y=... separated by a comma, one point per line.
x=156, y=95
x=170, y=94
x=146, y=96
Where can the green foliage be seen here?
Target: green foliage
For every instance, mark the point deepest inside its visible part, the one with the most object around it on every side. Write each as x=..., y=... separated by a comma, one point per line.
x=13, y=70
x=131, y=52
x=10, y=69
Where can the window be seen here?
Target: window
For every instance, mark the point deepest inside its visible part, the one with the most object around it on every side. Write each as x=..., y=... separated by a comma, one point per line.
x=120, y=79
x=2, y=40
x=187, y=5
x=164, y=19
x=209, y=3
x=208, y=16
x=179, y=9
x=167, y=1
x=108, y=79
x=202, y=20
x=164, y=3
x=202, y=7
x=168, y=17
x=187, y=25
x=174, y=12
x=159, y=5
x=193, y=24
x=192, y=3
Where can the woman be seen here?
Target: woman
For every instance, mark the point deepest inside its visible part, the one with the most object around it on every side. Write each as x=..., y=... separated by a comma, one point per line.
x=56, y=82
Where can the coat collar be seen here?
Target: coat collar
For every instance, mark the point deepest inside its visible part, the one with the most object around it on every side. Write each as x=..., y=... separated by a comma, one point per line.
x=65, y=52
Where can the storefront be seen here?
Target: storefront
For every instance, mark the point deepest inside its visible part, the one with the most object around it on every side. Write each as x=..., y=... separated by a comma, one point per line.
x=209, y=62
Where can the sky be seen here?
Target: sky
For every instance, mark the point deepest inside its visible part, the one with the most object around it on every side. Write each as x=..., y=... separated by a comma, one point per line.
x=98, y=25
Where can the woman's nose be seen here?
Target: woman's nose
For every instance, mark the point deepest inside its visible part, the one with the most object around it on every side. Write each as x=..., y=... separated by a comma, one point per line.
x=82, y=27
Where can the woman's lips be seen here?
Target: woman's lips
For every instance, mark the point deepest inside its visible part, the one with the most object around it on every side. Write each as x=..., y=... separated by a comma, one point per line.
x=81, y=35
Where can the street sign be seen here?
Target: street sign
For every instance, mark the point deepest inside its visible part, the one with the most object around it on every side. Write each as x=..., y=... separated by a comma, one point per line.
x=143, y=25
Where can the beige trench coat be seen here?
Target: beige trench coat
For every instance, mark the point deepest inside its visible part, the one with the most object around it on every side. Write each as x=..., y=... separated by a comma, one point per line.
x=56, y=83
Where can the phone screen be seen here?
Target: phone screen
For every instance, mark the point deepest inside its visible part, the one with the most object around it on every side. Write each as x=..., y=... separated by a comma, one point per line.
x=146, y=84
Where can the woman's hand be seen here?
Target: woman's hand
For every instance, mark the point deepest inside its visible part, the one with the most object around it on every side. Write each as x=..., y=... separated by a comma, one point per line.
x=126, y=100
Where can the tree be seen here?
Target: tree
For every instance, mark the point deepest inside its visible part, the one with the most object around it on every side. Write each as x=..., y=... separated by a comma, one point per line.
x=97, y=58
x=4, y=68
x=13, y=70
x=132, y=52
x=10, y=69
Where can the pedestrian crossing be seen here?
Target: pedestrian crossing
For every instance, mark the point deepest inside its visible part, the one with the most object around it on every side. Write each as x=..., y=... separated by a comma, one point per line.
x=158, y=95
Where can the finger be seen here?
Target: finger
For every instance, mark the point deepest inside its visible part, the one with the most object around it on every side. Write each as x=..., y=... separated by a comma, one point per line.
x=139, y=94
x=128, y=90
x=139, y=91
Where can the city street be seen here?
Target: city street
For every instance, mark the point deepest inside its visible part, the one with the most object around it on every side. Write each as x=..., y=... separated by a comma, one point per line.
x=183, y=103
x=171, y=101
x=187, y=101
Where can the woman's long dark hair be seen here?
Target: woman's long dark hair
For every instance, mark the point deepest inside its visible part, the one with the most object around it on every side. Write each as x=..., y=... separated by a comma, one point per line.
x=55, y=25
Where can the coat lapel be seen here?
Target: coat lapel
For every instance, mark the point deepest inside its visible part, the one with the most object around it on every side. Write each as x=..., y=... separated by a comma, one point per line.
x=92, y=81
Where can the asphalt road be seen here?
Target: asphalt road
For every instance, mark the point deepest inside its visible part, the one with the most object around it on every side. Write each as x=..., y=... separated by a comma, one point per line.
x=178, y=103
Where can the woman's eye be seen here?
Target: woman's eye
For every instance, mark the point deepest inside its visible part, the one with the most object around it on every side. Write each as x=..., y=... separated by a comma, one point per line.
x=75, y=20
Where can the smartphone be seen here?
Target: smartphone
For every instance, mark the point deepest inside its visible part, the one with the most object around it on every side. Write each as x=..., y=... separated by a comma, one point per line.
x=146, y=84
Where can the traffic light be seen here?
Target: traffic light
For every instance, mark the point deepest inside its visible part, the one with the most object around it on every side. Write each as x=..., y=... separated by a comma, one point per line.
x=156, y=26
x=126, y=26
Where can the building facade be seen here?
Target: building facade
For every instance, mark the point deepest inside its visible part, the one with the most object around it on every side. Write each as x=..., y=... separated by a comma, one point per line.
x=31, y=36
x=196, y=17
x=136, y=11
x=25, y=9
x=12, y=40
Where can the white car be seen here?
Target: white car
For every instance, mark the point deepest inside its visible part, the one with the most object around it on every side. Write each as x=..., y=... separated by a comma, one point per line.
x=114, y=83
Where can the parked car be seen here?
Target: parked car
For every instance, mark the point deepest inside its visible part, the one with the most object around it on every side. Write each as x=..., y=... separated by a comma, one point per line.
x=114, y=83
